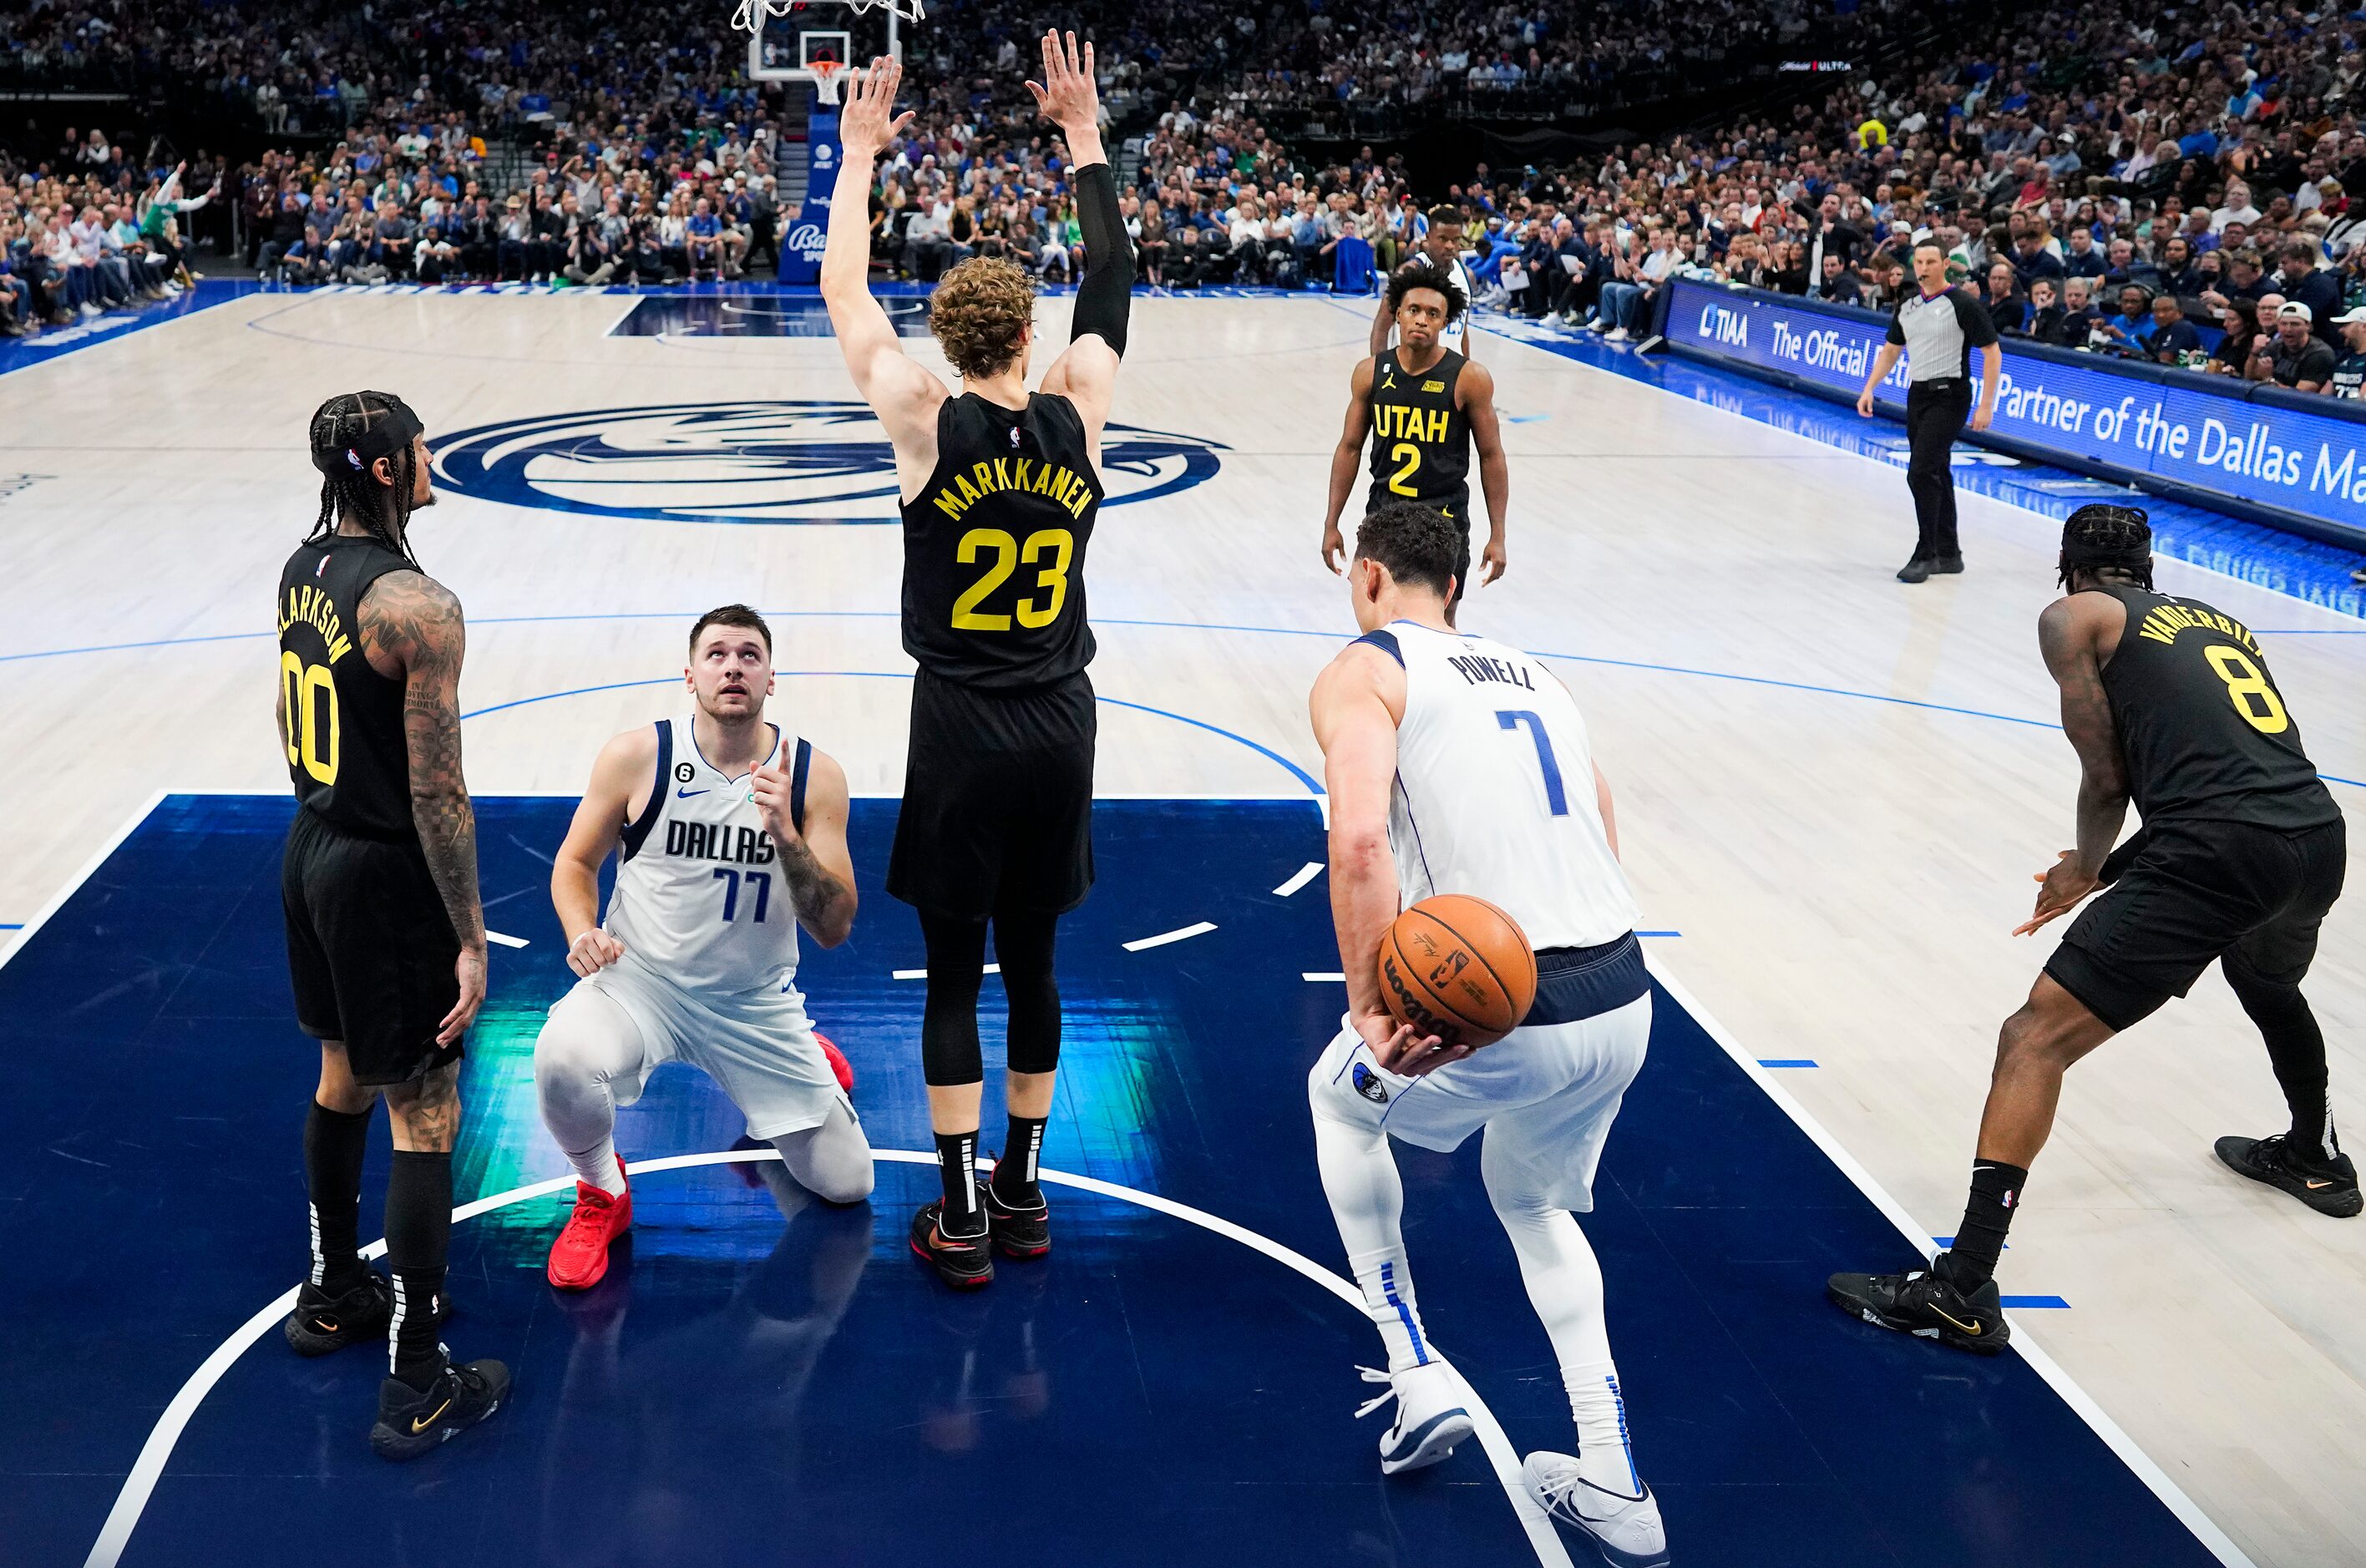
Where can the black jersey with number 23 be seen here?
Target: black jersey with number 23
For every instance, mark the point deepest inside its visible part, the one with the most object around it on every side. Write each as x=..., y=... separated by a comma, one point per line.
x=993, y=547
x=348, y=754
x=2203, y=729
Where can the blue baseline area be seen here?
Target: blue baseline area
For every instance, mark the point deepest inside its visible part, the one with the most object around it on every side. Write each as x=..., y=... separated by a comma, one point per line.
x=758, y=1385
x=55, y=342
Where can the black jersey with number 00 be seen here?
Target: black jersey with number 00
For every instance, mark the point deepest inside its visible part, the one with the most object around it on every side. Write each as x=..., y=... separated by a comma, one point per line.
x=993, y=547
x=1421, y=442
x=346, y=751
x=2205, y=732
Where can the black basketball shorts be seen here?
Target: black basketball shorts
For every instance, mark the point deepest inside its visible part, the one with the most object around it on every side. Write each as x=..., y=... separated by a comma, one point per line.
x=370, y=950
x=2251, y=897
x=997, y=810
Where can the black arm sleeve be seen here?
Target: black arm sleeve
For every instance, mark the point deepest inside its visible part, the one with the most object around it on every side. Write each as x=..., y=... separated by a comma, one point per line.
x=1106, y=293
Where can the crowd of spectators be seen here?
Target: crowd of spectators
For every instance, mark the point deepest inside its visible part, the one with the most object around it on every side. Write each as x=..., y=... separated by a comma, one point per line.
x=2106, y=175
x=91, y=233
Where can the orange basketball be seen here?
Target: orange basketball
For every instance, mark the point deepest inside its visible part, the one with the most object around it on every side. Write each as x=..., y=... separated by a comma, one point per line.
x=1457, y=967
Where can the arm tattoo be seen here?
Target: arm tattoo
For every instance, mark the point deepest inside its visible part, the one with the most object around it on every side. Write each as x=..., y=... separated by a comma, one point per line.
x=816, y=893
x=415, y=621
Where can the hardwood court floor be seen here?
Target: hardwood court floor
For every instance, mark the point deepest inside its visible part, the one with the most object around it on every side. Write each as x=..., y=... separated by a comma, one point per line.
x=1833, y=788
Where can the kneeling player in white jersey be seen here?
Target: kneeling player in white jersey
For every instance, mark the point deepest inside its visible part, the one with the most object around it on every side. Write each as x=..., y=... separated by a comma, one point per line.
x=729, y=833
x=1457, y=764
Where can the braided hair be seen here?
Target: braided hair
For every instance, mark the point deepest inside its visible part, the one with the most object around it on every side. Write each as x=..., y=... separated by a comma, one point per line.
x=2105, y=538
x=350, y=432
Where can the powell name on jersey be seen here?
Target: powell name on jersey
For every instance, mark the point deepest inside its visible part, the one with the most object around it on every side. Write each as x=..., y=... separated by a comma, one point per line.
x=699, y=895
x=1495, y=791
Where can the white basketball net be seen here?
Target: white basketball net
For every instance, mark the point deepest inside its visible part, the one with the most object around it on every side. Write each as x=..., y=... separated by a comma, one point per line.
x=748, y=18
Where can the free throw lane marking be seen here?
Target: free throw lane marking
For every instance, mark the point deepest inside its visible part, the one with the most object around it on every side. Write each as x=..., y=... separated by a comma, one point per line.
x=1183, y=933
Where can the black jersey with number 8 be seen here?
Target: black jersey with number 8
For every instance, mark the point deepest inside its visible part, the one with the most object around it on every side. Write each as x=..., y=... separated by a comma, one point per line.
x=2204, y=730
x=993, y=547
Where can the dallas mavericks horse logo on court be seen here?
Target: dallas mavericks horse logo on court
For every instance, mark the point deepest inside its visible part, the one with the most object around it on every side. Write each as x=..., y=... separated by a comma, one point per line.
x=777, y=462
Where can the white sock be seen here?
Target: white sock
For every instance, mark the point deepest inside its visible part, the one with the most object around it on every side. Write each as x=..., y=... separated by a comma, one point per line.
x=598, y=1166
x=1606, y=1456
x=1564, y=1283
x=1359, y=1176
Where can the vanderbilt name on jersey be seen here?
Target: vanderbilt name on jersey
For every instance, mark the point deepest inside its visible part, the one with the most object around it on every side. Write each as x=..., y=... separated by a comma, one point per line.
x=1421, y=442
x=699, y=897
x=1494, y=792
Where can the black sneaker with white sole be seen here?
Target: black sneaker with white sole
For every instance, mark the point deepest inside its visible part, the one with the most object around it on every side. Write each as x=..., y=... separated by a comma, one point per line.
x=2329, y=1187
x=1921, y=1303
x=412, y=1422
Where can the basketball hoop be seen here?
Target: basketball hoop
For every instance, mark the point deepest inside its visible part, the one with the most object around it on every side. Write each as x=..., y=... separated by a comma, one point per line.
x=748, y=18
x=827, y=74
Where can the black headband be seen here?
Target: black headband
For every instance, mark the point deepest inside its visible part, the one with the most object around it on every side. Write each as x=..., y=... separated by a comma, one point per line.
x=388, y=432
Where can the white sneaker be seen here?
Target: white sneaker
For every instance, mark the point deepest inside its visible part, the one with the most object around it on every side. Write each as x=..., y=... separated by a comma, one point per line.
x=1599, y=324
x=87, y=311
x=1627, y=1529
x=1430, y=1417
x=1616, y=335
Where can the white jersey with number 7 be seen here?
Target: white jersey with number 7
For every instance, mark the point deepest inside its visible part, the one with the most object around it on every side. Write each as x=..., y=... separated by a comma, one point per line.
x=1494, y=793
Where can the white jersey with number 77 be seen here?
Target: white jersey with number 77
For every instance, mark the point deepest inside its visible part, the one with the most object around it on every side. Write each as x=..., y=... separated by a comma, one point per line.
x=1494, y=793
x=699, y=896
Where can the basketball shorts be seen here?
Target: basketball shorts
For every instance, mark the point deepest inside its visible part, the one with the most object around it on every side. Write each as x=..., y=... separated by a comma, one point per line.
x=758, y=1047
x=1546, y=1093
x=2249, y=897
x=370, y=951
x=997, y=811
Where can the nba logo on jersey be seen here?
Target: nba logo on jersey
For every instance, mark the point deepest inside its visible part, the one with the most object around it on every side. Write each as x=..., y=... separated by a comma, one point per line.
x=1014, y=435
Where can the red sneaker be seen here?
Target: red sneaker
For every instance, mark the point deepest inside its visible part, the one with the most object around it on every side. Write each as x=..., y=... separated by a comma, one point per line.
x=837, y=1063
x=579, y=1258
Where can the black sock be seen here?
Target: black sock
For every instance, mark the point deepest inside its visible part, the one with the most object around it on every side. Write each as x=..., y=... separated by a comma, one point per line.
x=417, y=1237
x=1987, y=1214
x=1023, y=1157
x=2296, y=1050
x=957, y=1164
x=333, y=1143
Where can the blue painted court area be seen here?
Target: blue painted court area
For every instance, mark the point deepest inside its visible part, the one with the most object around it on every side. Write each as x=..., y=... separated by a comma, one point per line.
x=764, y=1380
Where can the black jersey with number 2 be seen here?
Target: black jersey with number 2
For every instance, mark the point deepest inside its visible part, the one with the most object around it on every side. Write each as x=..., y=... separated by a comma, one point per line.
x=1421, y=441
x=346, y=751
x=2204, y=731
x=993, y=547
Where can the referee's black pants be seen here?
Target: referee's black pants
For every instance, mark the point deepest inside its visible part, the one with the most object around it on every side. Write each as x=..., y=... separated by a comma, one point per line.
x=1935, y=412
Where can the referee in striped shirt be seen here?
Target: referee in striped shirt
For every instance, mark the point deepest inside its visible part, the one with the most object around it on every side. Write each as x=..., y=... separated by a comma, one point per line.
x=1937, y=328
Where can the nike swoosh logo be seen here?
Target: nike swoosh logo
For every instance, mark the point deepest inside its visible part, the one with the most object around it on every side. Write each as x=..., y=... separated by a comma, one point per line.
x=2313, y=1186
x=424, y=1422
x=686, y=794
x=325, y=1325
x=1971, y=1328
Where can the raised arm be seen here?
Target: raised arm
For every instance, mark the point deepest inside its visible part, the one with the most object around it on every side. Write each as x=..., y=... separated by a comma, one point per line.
x=813, y=858
x=1086, y=373
x=1346, y=458
x=901, y=394
x=414, y=621
x=621, y=776
x=1476, y=387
